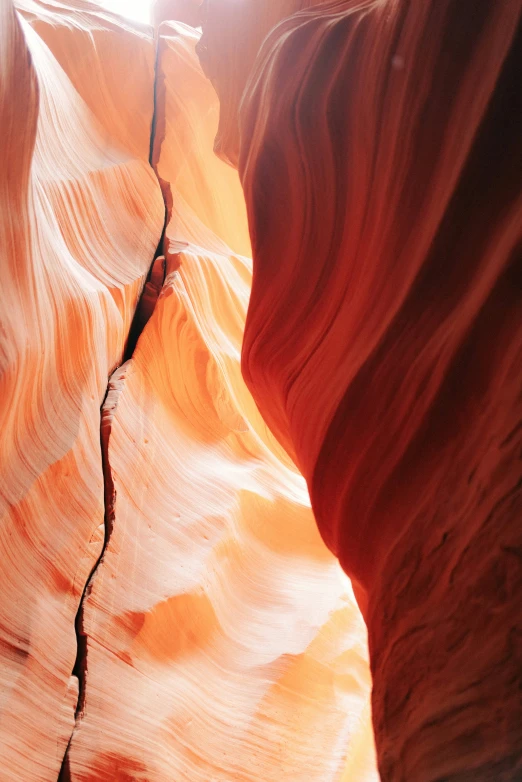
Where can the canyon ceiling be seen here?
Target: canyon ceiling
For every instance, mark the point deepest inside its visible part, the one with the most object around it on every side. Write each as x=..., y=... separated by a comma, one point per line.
x=261, y=392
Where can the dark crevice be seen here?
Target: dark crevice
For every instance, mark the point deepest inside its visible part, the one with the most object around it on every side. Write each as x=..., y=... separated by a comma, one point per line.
x=139, y=321
x=143, y=311
x=80, y=664
x=146, y=302
x=155, y=100
x=65, y=770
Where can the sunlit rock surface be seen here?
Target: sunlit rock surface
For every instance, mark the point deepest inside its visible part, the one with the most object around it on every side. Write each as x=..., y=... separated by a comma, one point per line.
x=204, y=197
x=109, y=61
x=223, y=641
x=80, y=216
x=383, y=340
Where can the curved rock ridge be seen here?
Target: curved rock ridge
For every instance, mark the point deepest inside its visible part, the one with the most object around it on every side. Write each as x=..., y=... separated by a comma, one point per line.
x=223, y=640
x=80, y=216
x=383, y=344
x=209, y=207
x=209, y=203
x=232, y=35
x=109, y=61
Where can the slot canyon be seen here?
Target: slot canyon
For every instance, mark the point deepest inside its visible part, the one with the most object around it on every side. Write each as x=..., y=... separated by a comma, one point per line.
x=261, y=391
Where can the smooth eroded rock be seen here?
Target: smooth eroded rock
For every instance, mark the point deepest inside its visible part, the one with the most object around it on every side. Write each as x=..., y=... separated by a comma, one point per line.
x=383, y=346
x=81, y=214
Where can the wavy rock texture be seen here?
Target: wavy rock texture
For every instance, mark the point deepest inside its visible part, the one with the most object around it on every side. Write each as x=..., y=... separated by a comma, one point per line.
x=109, y=61
x=378, y=146
x=380, y=149
x=232, y=35
x=222, y=639
x=80, y=216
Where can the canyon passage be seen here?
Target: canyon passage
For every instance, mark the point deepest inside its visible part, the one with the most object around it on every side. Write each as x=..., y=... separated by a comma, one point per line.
x=261, y=391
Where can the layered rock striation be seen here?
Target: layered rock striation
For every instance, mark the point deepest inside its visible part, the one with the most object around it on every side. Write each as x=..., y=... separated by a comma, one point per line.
x=168, y=606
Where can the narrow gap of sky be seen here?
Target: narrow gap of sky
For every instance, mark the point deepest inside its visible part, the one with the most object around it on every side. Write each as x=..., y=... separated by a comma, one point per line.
x=139, y=10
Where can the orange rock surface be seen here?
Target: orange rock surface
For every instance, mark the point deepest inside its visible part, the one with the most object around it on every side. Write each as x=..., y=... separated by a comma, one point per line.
x=163, y=579
x=222, y=637
x=81, y=213
x=170, y=607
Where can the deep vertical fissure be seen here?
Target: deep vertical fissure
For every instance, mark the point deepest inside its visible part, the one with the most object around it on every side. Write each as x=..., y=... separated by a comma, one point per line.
x=137, y=325
x=80, y=663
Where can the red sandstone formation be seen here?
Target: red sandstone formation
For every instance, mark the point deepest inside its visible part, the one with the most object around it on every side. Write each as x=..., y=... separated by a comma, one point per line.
x=380, y=158
x=232, y=35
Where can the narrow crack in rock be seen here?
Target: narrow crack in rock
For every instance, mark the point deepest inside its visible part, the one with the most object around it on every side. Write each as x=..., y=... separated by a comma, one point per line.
x=80, y=664
x=144, y=309
x=154, y=278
